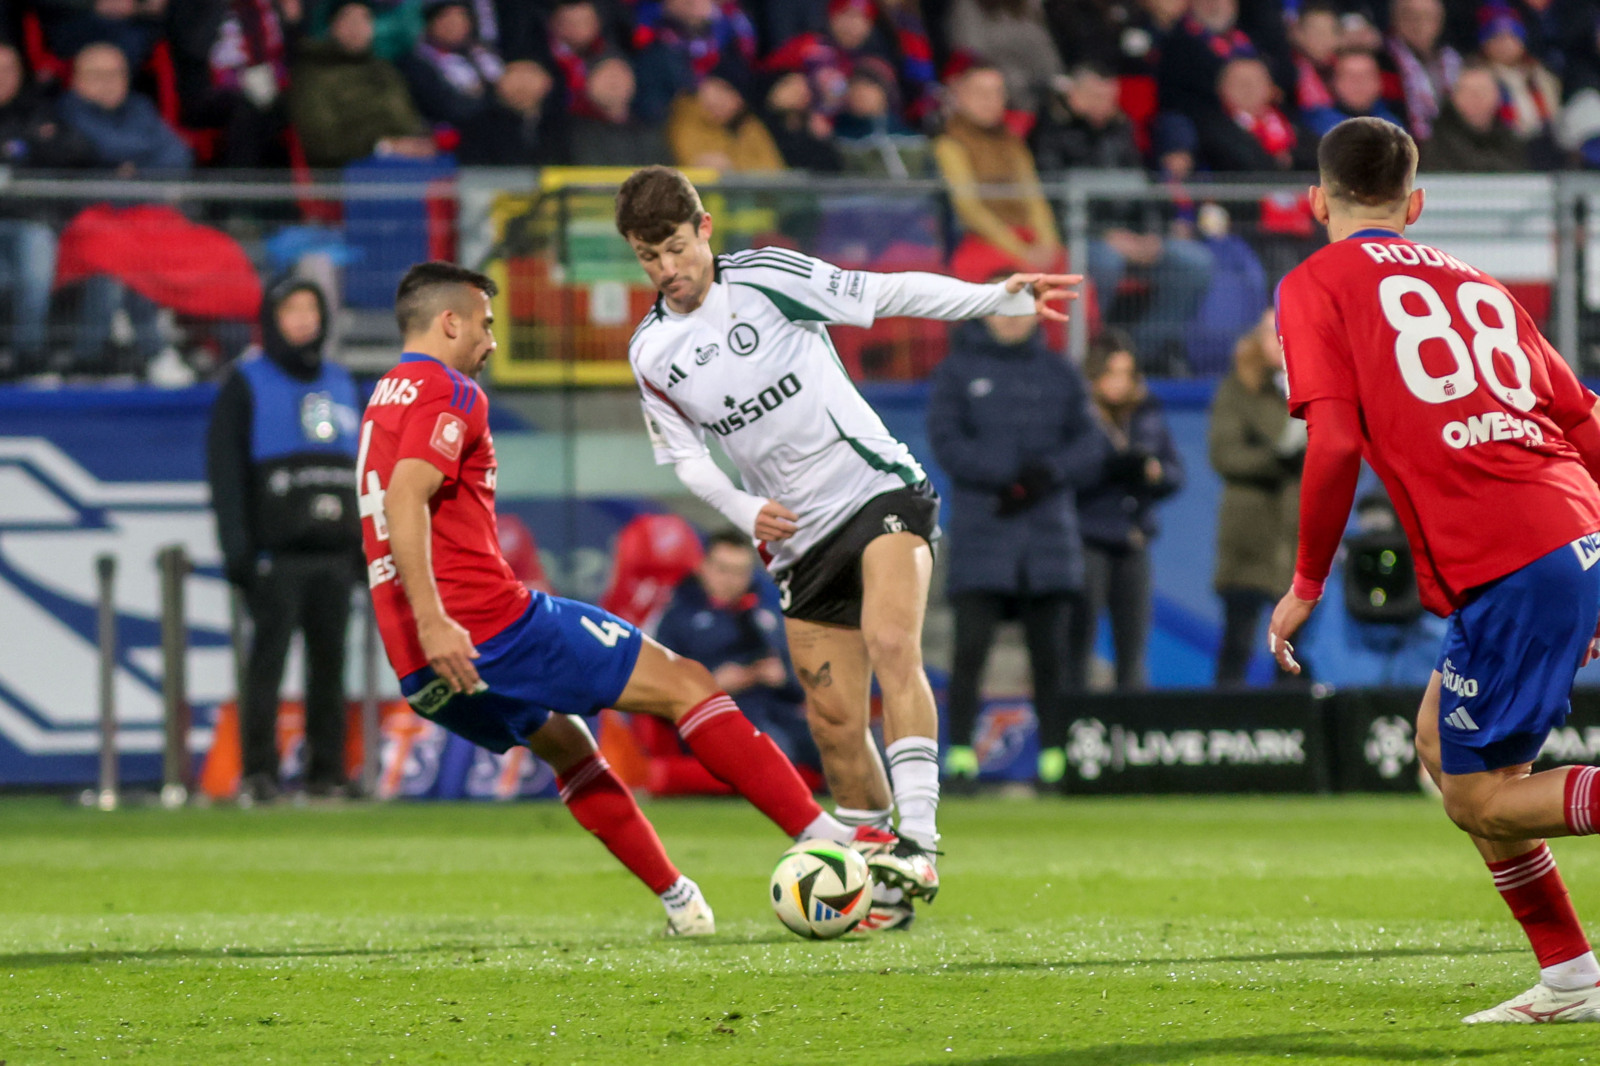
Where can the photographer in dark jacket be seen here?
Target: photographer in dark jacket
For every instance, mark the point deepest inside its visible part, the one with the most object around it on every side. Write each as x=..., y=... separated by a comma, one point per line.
x=1117, y=513
x=1009, y=422
x=281, y=458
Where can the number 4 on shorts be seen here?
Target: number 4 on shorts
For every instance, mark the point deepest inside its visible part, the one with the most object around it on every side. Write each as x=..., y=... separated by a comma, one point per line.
x=607, y=632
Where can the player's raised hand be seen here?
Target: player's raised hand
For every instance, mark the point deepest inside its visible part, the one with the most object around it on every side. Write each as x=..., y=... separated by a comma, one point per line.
x=1048, y=289
x=450, y=652
x=1287, y=618
x=775, y=522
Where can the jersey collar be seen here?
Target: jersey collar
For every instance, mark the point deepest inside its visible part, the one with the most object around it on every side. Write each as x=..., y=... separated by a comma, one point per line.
x=1376, y=232
x=418, y=357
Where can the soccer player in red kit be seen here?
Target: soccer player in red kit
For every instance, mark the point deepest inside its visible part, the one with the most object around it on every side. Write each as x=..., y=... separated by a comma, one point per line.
x=486, y=658
x=1488, y=445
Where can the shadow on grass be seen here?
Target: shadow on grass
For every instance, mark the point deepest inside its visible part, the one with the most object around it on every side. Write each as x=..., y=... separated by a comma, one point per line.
x=1358, y=1046
x=95, y=957
x=1202, y=960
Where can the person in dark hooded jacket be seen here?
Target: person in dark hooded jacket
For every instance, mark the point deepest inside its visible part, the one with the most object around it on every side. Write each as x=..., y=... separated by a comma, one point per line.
x=281, y=460
x=1009, y=422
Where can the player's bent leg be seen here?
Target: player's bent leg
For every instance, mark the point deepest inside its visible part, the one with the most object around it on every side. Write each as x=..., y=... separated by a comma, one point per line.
x=722, y=738
x=602, y=804
x=831, y=662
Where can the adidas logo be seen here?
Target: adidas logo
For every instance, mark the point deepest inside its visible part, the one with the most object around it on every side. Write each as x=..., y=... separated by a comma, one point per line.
x=674, y=375
x=1460, y=719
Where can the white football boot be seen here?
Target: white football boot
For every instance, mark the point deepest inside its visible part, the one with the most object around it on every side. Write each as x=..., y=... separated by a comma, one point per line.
x=898, y=862
x=891, y=911
x=1541, y=1003
x=692, y=919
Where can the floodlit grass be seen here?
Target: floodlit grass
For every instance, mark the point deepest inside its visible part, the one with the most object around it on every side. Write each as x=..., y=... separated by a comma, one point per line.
x=1128, y=932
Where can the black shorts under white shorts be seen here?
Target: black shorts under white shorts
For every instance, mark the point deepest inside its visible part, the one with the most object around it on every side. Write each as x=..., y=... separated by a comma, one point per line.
x=824, y=585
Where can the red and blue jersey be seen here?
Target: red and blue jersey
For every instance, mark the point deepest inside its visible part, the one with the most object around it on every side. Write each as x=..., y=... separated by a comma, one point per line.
x=424, y=410
x=1464, y=406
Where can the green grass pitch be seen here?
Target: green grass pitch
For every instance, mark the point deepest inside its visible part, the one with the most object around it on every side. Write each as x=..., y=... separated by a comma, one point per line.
x=1129, y=932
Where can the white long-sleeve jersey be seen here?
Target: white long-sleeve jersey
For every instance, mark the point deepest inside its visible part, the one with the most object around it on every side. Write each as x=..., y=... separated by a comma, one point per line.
x=754, y=366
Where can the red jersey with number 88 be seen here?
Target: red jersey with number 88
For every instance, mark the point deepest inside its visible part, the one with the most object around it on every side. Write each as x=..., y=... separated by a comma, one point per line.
x=1464, y=404
x=424, y=410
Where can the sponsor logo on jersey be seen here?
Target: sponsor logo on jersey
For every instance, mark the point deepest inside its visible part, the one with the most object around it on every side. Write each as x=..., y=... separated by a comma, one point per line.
x=892, y=523
x=449, y=434
x=674, y=375
x=1460, y=719
x=702, y=356
x=1588, y=549
x=1465, y=687
x=743, y=339
x=745, y=412
x=393, y=391
x=1389, y=747
x=1491, y=426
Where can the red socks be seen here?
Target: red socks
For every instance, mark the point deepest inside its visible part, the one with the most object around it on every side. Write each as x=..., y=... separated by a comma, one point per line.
x=1582, y=797
x=603, y=805
x=743, y=757
x=1532, y=887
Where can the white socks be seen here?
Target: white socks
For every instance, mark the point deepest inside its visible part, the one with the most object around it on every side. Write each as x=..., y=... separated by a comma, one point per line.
x=826, y=827
x=852, y=817
x=682, y=893
x=914, y=776
x=1572, y=975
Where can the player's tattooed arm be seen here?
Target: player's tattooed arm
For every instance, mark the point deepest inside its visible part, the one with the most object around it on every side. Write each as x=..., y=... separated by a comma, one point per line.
x=823, y=678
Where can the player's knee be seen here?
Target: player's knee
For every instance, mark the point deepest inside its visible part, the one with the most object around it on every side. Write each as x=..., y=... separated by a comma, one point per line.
x=895, y=653
x=1478, y=814
x=690, y=684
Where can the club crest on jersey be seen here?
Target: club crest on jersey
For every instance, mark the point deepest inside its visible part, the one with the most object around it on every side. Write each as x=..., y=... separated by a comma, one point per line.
x=449, y=434
x=743, y=339
x=892, y=523
x=704, y=355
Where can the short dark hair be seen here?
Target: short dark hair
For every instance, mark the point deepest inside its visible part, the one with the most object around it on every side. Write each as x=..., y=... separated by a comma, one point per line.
x=1367, y=161
x=427, y=289
x=1108, y=342
x=730, y=538
x=654, y=202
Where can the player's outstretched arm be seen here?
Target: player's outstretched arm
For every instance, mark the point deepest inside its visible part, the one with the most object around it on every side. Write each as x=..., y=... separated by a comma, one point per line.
x=915, y=294
x=405, y=507
x=1327, y=489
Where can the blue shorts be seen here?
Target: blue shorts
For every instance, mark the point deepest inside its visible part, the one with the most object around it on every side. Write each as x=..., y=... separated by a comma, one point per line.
x=560, y=657
x=1509, y=658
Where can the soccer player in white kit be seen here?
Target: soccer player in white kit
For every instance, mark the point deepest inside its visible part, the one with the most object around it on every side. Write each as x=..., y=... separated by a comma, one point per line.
x=736, y=347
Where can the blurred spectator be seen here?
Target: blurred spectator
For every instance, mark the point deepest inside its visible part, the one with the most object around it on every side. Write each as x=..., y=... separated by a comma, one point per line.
x=858, y=31
x=976, y=150
x=1469, y=136
x=1194, y=53
x=347, y=103
x=871, y=105
x=1121, y=36
x=606, y=134
x=717, y=618
x=680, y=43
x=514, y=127
x=281, y=460
x=1258, y=450
x=1116, y=513
x=804, y=136
x=232, y=65
x=1530, y=95
x=1009, y=422
x=1089, y=131
x=1426, y=68
x=124, y=129
x=31, y=138
x=577, y=42
x=1316, y=38
x=1249, y=134
x=1357, y=93
x=396, y=27
x=452, y=75
x=712, y=127
x=126, y=134
x=134, y=26
x=1012, y=35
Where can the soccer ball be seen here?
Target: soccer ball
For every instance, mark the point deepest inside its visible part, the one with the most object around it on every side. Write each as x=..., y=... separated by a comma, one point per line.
x=821, y=889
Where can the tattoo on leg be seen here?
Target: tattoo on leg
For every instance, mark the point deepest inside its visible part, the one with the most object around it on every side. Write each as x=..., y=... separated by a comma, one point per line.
x=821, y=679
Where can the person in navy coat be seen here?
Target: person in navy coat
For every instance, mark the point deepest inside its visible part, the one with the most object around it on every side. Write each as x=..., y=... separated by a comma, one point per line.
x=1009, y=421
